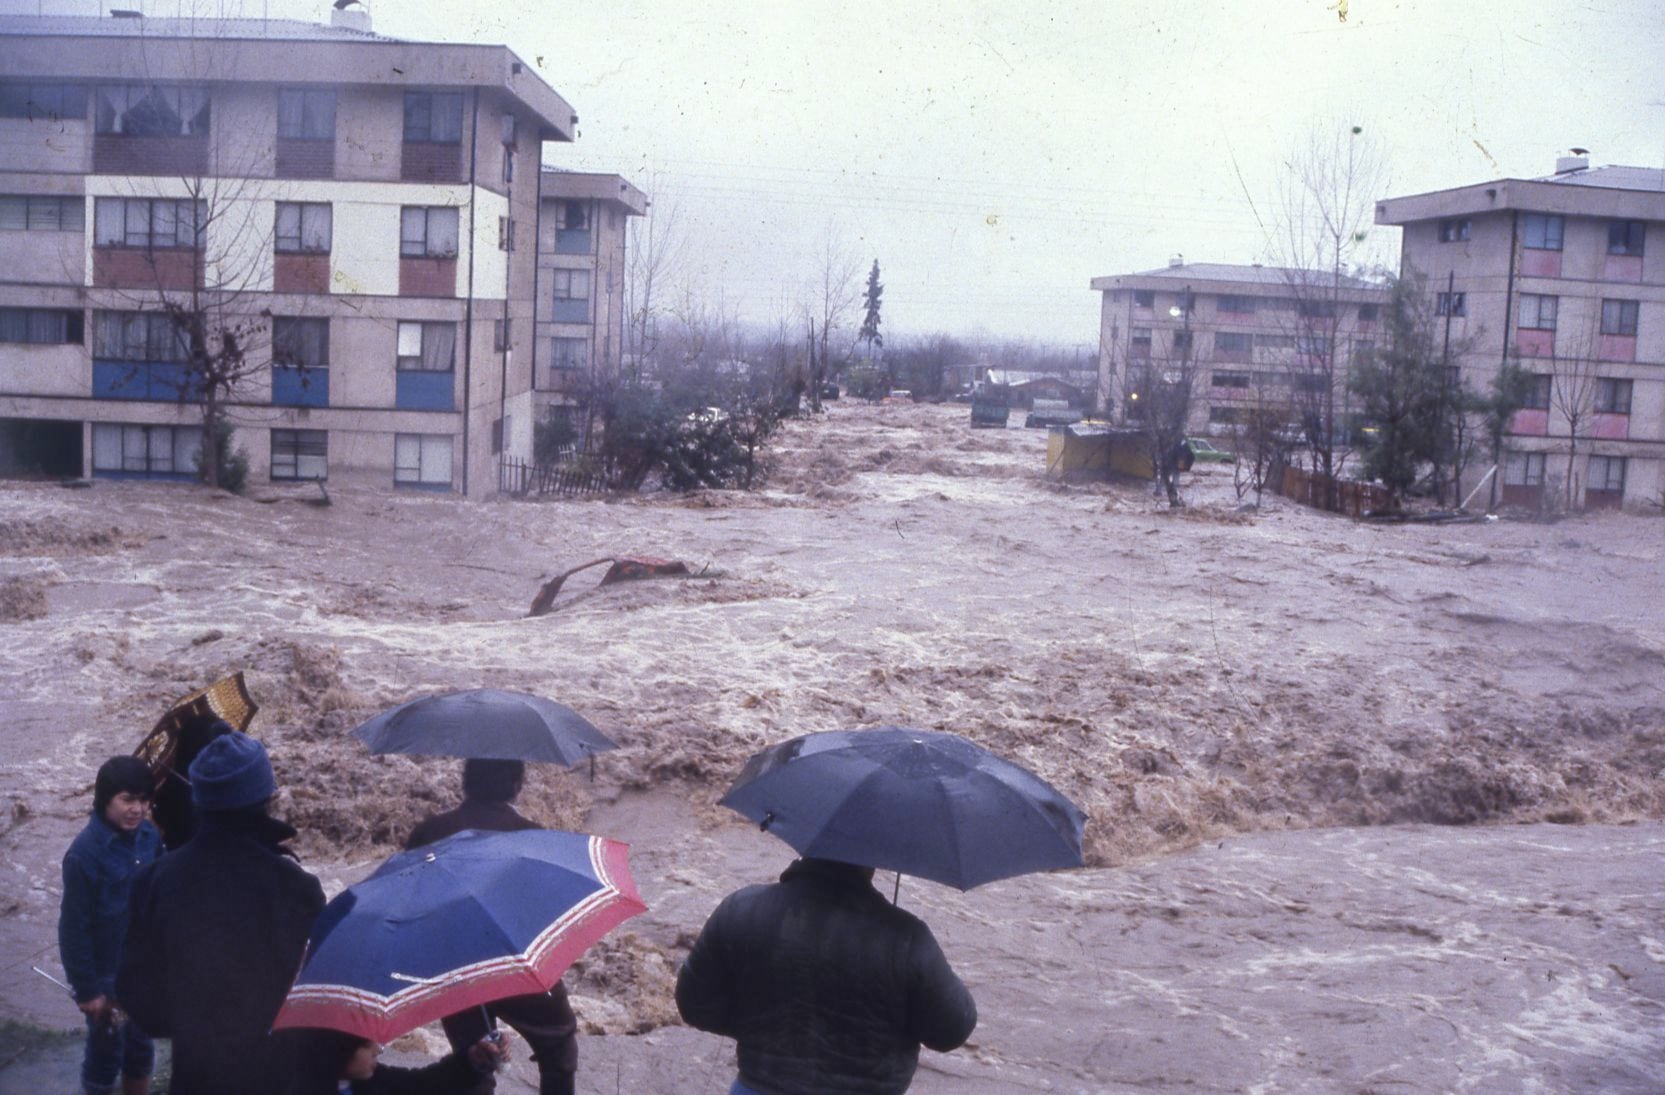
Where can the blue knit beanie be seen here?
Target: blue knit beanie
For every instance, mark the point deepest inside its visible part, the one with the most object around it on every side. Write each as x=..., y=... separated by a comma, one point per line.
x=231, y=772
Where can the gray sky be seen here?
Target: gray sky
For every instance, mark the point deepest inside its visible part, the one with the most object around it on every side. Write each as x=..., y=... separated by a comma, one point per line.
x=994, y=159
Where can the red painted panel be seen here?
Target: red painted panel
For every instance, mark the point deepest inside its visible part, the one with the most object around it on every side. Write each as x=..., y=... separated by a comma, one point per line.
x=181, y=156
x=136, y=268
x=298, y=159
x=301, y=273
x=423, y=161
x=1604, y=499
x=1540, y=264
x=1610, y=427
x=425, y=277
x=1531, y=342
x=1622, y=268
x=1618, y=347
x=1532, y=422
x=1524, y=497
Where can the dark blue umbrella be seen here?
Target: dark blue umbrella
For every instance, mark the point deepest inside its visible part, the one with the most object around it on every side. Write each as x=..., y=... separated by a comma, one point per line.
x=920, y=802
x=486, y=723
x=470, y=919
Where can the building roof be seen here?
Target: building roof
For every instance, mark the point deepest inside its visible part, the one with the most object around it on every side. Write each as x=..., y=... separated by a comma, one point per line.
x=594, y=186
x=85, y=48
x=1612, y=190
x=1216, y=273
x=154, y=27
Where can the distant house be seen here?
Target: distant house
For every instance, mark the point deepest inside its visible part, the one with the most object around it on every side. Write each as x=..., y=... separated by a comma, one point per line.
x=1026, y=387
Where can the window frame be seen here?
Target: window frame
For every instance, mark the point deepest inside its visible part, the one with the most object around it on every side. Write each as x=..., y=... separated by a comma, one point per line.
x=1626, y=237
x=1144, y=298
x=306, y=214
x=1613, y=395
x=191, y=105
x=1454, y=303
x=31, y=213
x=294, y=454
x=1550, y=229
x=147, y=235
x=406, y=473
x=152, y=336
x=1230, y=378
x=1454, y=230
x=177, y=436
x=577, y=362
x=1607, y=464
x=422, y=246
x=1235, y=305
x=1538, y=320
x=421, y=111
x=44, y=100
x=67, y=326
x=562, y=280
x=1533, y=468
x=307, y=97
x=1537, y=391
x=1620, y=317
x=406, y=362
x=312, y=333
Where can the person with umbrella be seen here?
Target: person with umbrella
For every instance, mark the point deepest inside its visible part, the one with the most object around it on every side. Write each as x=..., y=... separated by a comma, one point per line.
x=218, y=929
x=824, y=985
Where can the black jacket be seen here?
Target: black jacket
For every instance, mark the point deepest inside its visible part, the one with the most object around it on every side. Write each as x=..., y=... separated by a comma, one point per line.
x=216, y=933
x=826, y=986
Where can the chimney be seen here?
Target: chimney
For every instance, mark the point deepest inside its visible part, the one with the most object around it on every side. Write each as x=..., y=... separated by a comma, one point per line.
x=350, y=15
x=1176, y=259
x=1578, y=161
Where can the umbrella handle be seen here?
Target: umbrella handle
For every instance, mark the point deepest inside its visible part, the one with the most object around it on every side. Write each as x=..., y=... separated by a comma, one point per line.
x=894, y=894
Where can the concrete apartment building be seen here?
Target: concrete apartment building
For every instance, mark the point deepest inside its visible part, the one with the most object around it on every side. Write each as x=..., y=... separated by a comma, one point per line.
x=1566, y=274
x=1251, y=335
x=367, y=203
x=582, y=236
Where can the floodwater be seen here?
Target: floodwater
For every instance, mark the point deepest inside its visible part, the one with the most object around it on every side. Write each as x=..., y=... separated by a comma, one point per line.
x=1372, y=808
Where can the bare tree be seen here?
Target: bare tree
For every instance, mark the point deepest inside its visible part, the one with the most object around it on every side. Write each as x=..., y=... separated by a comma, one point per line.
x=833, y=296
x=1326, y=207
x=1572, y=393
x=1159, y=400
x=1260, y=436
x=654, y=255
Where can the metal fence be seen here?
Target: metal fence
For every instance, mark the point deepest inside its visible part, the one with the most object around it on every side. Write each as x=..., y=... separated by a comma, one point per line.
x=1319, y=491
x=522, y=479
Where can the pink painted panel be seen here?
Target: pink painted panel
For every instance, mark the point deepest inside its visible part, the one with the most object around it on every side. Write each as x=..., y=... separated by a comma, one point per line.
x=1622, y=268
x=1618, y=347
x=1540, y=264
x=1530, y=342
x=1610, y=427
x=1533, y=422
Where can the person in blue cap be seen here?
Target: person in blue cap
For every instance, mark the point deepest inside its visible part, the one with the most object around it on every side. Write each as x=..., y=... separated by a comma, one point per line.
x=117, y=842
x=218, y=929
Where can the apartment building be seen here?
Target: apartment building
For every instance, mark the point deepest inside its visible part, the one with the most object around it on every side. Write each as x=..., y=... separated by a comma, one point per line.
x=1248, y=337
x=352, y=207
x=582, y=237
x=1564, y=274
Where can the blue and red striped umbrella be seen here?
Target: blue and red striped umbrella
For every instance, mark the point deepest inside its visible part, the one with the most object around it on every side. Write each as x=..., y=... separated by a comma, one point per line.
x=470, y=919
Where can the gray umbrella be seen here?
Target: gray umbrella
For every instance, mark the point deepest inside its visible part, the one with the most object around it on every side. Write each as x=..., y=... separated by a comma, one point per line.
x=485, y=723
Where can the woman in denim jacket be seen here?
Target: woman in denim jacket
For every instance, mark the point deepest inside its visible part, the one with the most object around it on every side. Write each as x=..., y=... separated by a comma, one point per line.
x=98, y=870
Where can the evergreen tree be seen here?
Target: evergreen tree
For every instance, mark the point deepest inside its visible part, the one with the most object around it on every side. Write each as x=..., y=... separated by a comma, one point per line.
x=1402, y=386
x=869, y=332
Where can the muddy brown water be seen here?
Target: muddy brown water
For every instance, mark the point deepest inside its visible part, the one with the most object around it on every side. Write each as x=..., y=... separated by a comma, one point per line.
x=1372, y=808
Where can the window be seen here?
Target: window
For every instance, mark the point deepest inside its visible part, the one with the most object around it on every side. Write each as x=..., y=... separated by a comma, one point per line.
x=427, y=347
x=41, y=326
x=1223, y=416
x=304, y=227
x=433, y=116
x=571, y=284
x=1452, y=231
x=508, y=163
x=1524, y=469
x=1542, y=231
x=1229, y=380
x=1618, y=317
x=150, y=223
x=1274, y=342
x=1233, y=343
x=1368, y=313
x=1139, y=344
x=422, y=459
x=1316, y=309
x=44, y=102
x=1537, y=312
x=1451, y=304
x=428, y=231
x=1182, y=342
x=305, y=114
x=572, y=215
x=1625, y=237
x=151, y=110
x=1612, y=396
x=300, y=454
x=1606, y=473
x=1308, y=382
x=303, y=342
x=570, y=353
x=146, y=450
x=502, y=332
x=1536, y=396
x=505, y=233
x=39, y=213
x=1312, y=345
x=1144, y=298
x=1243, y=306
x=136, y=336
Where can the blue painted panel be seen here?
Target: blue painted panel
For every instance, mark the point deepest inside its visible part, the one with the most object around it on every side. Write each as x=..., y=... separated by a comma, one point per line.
x=425, y=391
x=292, y=387
x=571, y=311
x=153, y=380
x=435, y=488
x=572, y=241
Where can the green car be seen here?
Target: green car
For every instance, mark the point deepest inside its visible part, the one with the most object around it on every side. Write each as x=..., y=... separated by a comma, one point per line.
x=1204, y=452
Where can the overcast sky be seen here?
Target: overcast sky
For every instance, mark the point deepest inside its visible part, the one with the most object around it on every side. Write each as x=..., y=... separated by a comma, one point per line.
x=995, y=157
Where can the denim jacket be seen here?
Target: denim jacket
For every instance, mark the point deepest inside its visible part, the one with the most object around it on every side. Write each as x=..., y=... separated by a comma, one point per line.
x=98, y=871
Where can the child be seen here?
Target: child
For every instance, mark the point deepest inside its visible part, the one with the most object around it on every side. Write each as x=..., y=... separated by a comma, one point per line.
x=98, y=868
x=334, y=1063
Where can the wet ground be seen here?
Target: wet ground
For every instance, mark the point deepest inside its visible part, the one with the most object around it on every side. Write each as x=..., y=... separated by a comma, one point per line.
x=1372, y=808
